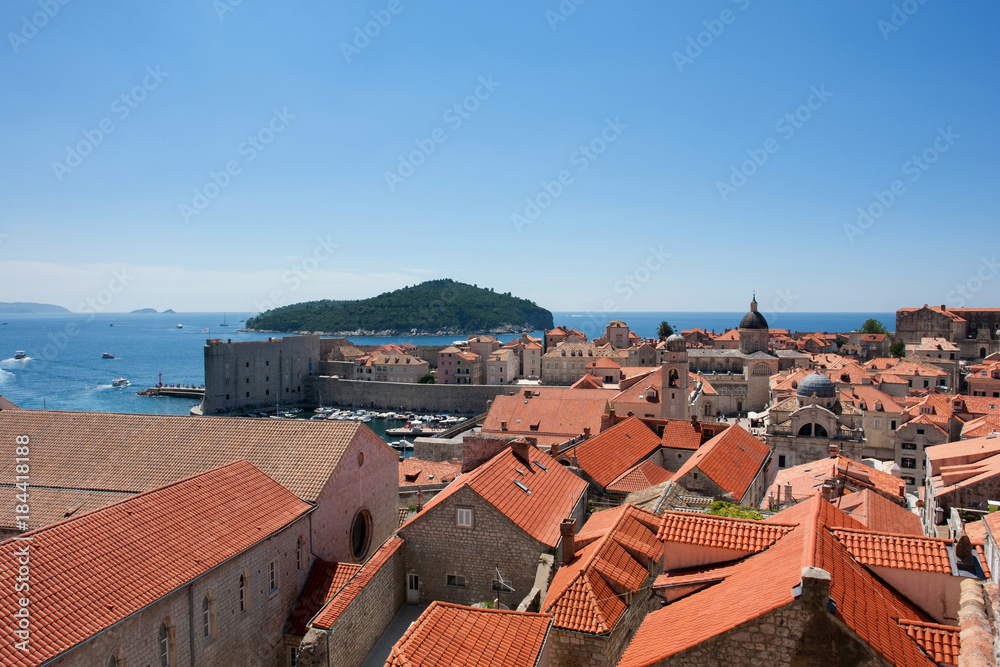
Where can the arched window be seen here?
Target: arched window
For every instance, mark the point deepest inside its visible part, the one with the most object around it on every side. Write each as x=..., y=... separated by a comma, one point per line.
x=806, y=430
x=208, y=615
x=243, y=593
x=819, y=431
x=673, y=377
x=165, y=644
x=708, y=409
x=117, y=658
x=298, y=553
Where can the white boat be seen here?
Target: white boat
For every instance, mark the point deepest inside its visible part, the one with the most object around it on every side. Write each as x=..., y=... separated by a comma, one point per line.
x=119, y=382
x=180, y=326
x=20, y=354
x=107, y=355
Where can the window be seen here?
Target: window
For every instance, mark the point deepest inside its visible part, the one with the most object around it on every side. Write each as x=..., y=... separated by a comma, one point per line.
x=117, y=658
x=909, y=480
x=907, y=462
x=208, y=615
x=455, y=581
x=920, y=431
x=361, y=534
x=892, y=424
x=272, y=576
x=243, y=593
x=909, y=445
x=464, y=517
x=781, y=460
x=298, y=554
x=878, y=423
x=166, y=643
x=291, y=656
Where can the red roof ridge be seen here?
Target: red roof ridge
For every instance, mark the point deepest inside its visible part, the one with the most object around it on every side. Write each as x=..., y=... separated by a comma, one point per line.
x=332, y=610
x=885, y=534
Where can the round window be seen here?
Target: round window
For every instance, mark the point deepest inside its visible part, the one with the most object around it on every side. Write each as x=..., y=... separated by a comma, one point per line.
x=361, y=459
x=361, y=534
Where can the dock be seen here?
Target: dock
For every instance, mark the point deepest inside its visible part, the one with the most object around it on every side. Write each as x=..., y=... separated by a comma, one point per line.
x=176, y=392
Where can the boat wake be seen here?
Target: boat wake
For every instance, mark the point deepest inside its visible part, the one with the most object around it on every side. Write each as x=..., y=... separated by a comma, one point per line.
x=5, y=376
x=15, y=363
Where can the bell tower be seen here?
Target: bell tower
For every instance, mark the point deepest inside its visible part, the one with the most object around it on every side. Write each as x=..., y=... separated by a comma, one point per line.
x=675, y=390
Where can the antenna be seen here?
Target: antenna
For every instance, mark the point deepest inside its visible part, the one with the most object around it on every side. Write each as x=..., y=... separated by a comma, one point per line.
x=501, y=585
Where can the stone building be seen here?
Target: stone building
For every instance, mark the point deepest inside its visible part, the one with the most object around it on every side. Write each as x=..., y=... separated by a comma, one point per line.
x=964, y=474
x=93, y=459
x=457, y=366
x=803, y=428
x=976, y=331
x=504, y=514
x=390, y=367
x=172, y=576
x=502, y=366
x=741, y=376
x=808, y=595
x=984, y=380
x=733, y=466
x=601, y=592
x=262, y=374
x=565, y=363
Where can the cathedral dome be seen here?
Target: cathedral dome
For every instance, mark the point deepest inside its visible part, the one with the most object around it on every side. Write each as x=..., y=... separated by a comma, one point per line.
x=676, y=343
x=753, y=319
x=818, y=384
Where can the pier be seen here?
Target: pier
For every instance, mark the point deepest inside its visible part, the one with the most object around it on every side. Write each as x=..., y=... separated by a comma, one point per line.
x=196, y=393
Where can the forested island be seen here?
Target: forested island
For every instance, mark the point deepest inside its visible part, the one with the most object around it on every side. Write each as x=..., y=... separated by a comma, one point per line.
x=436, y=307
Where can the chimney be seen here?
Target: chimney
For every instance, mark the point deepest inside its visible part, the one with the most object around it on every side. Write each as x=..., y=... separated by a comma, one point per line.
x=814, y=588
x=567, y=528
x=420, y=499
x=520, y=448
x=942, y=307
x=694, y=420
x=503, y=426
x=788, y=492
x=554, y=449
x=834, y=450
x=586, y=432
x=527, y=393
x=829, y=489
x=611, y=413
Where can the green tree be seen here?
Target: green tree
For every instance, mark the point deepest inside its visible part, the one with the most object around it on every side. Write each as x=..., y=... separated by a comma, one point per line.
x=898, y=349
x=427, y=378
x=721, y=508
x=665, y=330
x=873, y=326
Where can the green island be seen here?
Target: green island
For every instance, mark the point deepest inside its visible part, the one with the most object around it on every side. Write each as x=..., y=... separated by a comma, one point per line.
x=435, y=307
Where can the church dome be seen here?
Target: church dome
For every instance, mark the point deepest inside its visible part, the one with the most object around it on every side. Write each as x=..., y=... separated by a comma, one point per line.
x=676, y=343
x=753, y=319
x=818, y=384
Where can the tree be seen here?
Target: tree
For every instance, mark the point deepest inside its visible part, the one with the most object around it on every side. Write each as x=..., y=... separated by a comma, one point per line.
x=665, y=330
x=426, y=378
x=898, y=349
x=873, y=326
x=722, y=508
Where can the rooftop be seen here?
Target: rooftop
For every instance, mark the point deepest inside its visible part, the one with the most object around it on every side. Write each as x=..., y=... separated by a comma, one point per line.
x=731, y=459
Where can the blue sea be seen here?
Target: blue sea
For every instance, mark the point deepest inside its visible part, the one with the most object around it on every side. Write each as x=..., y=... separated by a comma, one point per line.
x=64, y=369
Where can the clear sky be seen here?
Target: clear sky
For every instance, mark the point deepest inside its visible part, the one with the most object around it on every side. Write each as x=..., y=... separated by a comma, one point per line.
x=603, y=156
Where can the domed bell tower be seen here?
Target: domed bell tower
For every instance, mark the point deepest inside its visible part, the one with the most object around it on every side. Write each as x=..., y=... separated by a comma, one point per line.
x=753, y=330
x=675, y=389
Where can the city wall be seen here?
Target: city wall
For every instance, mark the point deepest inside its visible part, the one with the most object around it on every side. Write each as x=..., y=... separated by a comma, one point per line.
x=435, y=398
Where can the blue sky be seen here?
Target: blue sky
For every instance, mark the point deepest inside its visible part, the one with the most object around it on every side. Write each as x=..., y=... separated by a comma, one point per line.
x=648, y=113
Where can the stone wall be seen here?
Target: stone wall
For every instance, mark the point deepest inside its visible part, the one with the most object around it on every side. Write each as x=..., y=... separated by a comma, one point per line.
x=355, y=632
x=434, y=398
x=437, y=449
x=344, y=369
x=479, y=447
x=253, y=637
x=569, y=648
x=436, y=547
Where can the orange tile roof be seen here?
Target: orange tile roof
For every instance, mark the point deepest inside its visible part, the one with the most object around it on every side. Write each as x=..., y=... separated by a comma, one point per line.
x=981, y=426
x=871, y=398
x=95, y=570
x=325, y=581
x=941, y=642
x=565, y=415
x=603, y=362
x=639, y=477
x=680, y=434
x=138, y=452
x=906, y=552
x=449, y=634
x=555, y=491
x=417, y=472
x=588, y=381
x=807, y=479
x=337, y=605
x=763, y=582
x=606, y=456
x=720, y=532
x=731, y=459
x=613, y=556
x=878, y=513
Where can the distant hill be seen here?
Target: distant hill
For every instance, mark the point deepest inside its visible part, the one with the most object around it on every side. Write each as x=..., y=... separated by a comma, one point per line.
x=169, y=311
x=145, y=311
x=436, y=307
x=21, y=307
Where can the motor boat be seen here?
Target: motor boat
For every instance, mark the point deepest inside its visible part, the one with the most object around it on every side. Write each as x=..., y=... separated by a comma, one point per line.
x=119, y=382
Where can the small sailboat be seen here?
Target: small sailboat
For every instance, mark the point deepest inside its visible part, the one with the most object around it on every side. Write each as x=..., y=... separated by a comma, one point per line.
x=225, y=322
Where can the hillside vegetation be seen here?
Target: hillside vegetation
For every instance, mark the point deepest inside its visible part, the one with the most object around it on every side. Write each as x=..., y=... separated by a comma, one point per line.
x=434, y=307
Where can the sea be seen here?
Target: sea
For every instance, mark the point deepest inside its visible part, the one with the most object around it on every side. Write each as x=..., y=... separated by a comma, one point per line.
x=64, y=370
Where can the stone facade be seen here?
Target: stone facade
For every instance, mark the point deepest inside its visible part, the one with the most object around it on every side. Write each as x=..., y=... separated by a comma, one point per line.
x=355, y=632
x=974, y=330
x=239, y=639
x=261, y=374
x=569, y=649
x=912, y=440
x=436, y=398
x=801, y=632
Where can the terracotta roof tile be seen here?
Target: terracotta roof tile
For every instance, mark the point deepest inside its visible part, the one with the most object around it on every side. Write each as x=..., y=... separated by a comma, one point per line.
x=554, y=491
x=417, y=472
x=325, y=580
x=565, y=415
x=329, y=614
x=607, y=456
x=807, y=479
x=639, y=477
x=731, y=459
x=941, y=642
x=720, y=532
x=878, y=513
x=615, y=556
x=137, y=545
x=681, y=434
x=588, y=381
x=906, y=552
x=448, y=635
